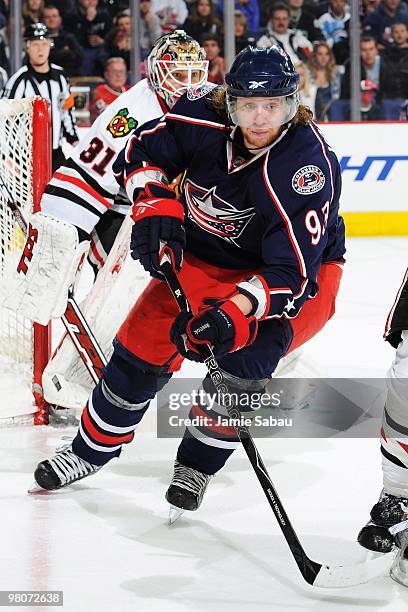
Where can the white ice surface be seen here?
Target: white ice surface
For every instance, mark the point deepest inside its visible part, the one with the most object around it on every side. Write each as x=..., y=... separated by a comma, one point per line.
x=105, y=541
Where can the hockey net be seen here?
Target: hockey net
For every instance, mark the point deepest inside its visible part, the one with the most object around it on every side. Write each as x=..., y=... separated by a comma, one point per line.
x=25, y=169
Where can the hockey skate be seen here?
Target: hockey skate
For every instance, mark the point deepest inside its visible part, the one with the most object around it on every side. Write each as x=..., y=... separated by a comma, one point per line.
x=387, y=516
x=60, y=416
x=186, y=490
x=399, y=568
x=61, y=470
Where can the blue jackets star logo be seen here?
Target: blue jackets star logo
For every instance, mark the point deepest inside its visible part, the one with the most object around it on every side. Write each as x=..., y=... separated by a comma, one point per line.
x=214, y=215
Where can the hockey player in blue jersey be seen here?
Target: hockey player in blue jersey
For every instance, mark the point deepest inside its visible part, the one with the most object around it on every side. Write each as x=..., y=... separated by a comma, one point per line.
x=256, y=229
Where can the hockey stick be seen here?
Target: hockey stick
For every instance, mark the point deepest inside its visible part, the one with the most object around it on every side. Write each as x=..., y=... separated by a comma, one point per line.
x=74, y=321
x=316, y=574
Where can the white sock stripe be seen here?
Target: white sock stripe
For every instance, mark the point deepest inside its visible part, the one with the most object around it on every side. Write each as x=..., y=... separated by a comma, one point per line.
x=392, y=447
x=101, y=423
x=116, y=400
x=94, y=446
x=211, y=441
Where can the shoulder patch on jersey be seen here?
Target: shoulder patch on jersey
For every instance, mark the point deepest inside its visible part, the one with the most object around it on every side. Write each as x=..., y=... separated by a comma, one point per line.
x=120, y=125
x=199, y=92
x=308, y=179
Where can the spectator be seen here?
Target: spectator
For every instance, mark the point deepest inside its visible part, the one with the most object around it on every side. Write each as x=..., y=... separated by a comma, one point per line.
x=307, y=89
x=118, y=41
x=4, y=62
x=89, y=23
x=116, y=6
x=397, y=54
x=3, y=14
x=115, y=75
x=265, y=11
x=296, y=45
x=150, y=29
x=368, y=7
x=398, y=50
x=202, y=20
x=241, y=29
x=379, y=23
x=40, y=78
x=66, y=51
x=250, y=8
x=216, y=63
x=172, y=13
x=380, y=85
x=333, y=24
x=304, y=20
x=3, y=79
x=32, y=11
x=326, y=77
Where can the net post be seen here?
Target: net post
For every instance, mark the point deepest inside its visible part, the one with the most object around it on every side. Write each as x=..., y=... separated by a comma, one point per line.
x=41, y=175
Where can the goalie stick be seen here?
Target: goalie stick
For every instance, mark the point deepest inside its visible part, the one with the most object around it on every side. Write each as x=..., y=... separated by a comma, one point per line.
x=316, y=574
x=74, y=321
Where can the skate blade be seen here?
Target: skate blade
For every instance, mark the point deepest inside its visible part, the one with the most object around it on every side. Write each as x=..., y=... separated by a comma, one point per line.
x=174, y=514
x=35, y=489
x=399, y=568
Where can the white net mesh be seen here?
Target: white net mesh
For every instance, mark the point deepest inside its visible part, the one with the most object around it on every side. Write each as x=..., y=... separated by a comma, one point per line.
x=16, y=332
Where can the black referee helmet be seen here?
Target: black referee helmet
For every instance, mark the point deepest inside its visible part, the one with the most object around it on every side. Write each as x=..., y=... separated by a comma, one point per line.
x=36, y=31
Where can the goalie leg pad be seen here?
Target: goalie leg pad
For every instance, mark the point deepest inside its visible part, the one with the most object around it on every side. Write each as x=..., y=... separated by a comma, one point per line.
x=46, y=269
x=114, y=409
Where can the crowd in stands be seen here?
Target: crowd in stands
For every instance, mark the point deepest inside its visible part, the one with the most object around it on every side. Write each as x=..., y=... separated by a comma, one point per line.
x=89, y=34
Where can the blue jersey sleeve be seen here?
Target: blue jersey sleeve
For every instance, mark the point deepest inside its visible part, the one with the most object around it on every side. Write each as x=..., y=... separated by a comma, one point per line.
x=161, y=149
x=303, y=231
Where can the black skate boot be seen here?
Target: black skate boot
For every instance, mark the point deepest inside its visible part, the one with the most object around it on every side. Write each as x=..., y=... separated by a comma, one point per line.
x=62, y=469
x=389, y=511
x=187, y=488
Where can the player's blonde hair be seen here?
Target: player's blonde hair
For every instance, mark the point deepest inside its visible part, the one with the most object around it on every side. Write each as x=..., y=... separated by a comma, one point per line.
x=304, y=115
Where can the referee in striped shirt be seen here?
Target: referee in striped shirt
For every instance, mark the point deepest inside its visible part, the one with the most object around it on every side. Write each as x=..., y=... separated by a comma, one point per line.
x=40, y=78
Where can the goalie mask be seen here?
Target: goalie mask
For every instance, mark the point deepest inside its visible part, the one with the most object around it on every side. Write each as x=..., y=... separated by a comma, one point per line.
x=175, y=64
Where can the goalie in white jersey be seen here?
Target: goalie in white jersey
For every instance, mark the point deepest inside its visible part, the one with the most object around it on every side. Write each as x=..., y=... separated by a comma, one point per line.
x=83, y=190
x=388, y=524
x=83, y=198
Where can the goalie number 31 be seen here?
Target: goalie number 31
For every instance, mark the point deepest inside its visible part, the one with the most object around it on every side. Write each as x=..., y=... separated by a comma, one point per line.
x=96, y=146
x=314, y=226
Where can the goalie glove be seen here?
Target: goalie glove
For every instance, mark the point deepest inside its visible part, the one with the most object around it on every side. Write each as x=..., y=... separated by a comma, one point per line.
x=223, y=326
x=46, y=269
x=158, y=218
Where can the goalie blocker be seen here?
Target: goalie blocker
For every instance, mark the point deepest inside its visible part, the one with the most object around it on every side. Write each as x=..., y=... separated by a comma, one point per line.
x=47, y=268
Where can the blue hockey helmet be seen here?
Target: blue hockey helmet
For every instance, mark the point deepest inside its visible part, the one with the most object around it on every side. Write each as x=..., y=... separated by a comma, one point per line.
x=263, y=73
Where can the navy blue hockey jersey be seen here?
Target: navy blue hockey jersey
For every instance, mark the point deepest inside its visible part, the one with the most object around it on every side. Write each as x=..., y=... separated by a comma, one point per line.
x=276, y=211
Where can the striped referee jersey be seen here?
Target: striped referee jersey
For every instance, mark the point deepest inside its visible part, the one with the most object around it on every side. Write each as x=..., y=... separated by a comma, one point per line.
x=54, y=87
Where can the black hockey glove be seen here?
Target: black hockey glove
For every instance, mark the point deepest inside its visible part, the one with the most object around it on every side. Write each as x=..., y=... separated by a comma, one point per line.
x=223, y=326
x=158, y=218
